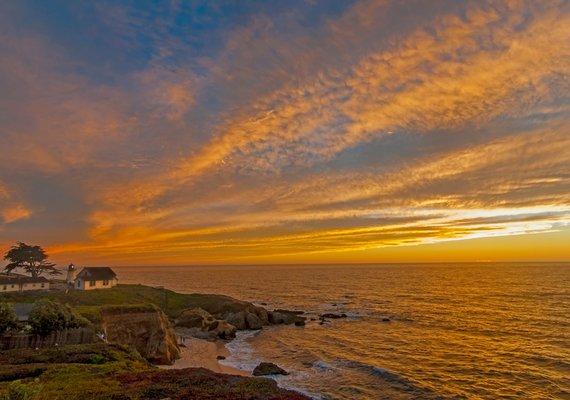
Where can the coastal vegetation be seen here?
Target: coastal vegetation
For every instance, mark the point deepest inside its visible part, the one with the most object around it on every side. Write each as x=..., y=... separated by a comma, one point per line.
x=48, y=316
x=88, y=304
x=114, y=372
x=8, y=319
x=138, y=323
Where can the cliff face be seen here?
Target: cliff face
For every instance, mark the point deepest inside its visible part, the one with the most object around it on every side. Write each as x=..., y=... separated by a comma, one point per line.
x=146, y=329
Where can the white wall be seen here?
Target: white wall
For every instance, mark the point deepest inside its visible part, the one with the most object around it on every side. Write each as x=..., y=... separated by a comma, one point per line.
x=15, y=287
x=35, y=286
x=10, y=287
x=80, y=284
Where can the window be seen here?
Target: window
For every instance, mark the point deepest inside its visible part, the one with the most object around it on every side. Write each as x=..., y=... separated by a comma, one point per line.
x=92, y=283
x=78, y=283
x=106, y=282
x=43, y=284
x=5, y=287
x=13, y=286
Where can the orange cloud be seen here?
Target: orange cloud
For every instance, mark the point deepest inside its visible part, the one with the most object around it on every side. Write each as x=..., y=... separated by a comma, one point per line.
x=275, y=168
x=10, y=209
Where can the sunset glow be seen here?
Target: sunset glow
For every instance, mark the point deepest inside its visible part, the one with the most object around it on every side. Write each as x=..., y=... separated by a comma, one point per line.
x=286, y=132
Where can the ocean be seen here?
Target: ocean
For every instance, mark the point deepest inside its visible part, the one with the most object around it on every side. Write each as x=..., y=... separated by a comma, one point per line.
x=455, y=331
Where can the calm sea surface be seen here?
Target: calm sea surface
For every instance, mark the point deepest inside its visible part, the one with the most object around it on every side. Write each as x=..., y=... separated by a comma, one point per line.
x=492, y=331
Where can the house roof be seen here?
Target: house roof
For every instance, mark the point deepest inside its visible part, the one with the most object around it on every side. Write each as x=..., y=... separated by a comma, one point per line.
x=97, y=273
x=8, y=279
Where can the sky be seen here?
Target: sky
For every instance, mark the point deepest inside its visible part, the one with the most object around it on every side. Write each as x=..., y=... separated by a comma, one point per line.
x=299, y=131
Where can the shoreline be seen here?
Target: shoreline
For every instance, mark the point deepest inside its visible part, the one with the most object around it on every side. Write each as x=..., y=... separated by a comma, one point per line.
x=196, y=353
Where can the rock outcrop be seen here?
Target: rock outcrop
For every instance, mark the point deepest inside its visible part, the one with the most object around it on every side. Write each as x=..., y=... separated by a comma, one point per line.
x=266, y=368
x=249, y=318
x=199, y=323
x=241, y=314
x=286, y=317
x=145, y=328
x=333, y=315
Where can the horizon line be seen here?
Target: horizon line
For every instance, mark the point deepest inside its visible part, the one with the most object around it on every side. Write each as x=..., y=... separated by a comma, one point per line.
x=344, y=263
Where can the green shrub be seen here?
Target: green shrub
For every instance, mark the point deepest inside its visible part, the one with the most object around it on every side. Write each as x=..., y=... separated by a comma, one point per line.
x=21, y=391
x=97, y=359
x=47, y=317
x=8, y=319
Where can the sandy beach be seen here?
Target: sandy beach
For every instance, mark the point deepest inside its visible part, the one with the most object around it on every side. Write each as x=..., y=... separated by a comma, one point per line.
x=203, y=353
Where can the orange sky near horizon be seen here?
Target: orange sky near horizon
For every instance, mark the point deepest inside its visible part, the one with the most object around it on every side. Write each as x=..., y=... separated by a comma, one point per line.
x=549, y=247
x=307, y=132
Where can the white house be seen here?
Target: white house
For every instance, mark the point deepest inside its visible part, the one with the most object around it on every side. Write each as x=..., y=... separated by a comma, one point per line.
x=21, y=283
x=93, y=278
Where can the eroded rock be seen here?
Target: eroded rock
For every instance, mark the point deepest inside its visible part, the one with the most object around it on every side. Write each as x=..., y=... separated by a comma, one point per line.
x=266, y=368
x=286, y=317
x=199, y=323
x=145, y=328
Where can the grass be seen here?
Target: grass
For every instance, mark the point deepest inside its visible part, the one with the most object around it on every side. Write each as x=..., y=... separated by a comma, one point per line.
x=70, y=372
x=101, y=371
x=111, y=372
x=72, y=354
x=87, y=303
x=129, y=309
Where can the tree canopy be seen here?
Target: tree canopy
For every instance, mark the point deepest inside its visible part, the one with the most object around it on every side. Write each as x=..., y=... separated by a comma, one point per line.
x=48, y=316
x=8, y=319
x=32, y=259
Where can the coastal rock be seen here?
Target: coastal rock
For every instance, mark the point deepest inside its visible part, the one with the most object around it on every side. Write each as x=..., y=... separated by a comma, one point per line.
x=236, y=319
x=223, y=329
x=244, y=320
x=286, y=317
x=266, y=368
x=333, y=315
x=199, y=323
x=195, y=318
x=242, y=314
x=145, y=328
x=252, y=321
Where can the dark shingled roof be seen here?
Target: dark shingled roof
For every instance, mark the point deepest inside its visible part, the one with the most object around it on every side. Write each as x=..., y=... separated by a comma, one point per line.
x=97, y=274
x=6, y=279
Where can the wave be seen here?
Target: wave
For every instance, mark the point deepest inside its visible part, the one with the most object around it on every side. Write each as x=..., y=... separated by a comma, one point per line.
x=321, y=365
x=395, y=380
x=241, y=353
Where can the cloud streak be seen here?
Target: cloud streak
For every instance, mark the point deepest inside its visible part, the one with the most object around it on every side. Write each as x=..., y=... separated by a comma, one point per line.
x=374, y=126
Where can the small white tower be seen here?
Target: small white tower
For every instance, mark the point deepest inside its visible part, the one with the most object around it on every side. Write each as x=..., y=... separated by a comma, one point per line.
x=70, y=279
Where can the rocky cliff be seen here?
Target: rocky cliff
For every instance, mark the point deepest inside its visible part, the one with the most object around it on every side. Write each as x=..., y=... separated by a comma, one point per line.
x=242, y=314
x=145, y=328
x=201, y=324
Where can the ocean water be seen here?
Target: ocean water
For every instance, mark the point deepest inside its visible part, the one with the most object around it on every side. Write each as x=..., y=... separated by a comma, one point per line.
x=457, y=331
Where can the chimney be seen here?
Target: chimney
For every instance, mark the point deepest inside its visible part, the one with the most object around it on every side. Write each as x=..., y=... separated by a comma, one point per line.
x=70, y=279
